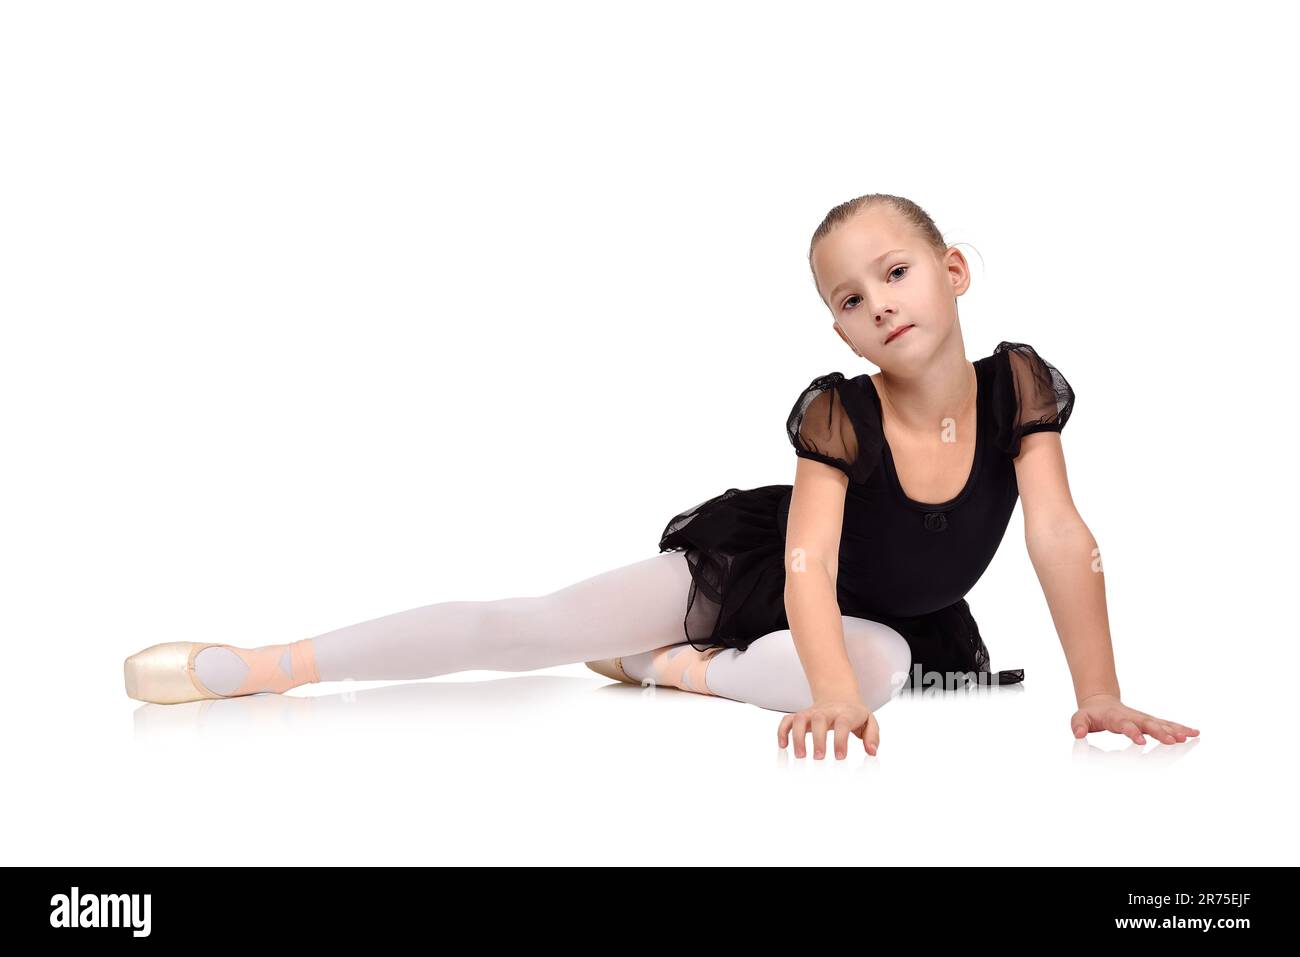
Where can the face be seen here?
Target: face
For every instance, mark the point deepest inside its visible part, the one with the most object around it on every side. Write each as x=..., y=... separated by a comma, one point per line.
x=878, y=277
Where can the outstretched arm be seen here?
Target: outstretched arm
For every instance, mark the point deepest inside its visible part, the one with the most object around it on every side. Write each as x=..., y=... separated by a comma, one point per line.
x=1067, y=561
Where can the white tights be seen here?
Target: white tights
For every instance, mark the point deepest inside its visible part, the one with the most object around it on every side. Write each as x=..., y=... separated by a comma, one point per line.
x=623, y=612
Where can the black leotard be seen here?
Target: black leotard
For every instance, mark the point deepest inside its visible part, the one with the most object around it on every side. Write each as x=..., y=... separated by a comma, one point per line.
x=907, y=564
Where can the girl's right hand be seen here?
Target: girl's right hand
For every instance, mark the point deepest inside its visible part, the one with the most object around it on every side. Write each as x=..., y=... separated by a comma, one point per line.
x=843, y=716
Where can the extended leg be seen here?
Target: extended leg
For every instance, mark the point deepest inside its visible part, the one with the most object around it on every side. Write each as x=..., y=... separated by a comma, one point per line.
x=622, y=611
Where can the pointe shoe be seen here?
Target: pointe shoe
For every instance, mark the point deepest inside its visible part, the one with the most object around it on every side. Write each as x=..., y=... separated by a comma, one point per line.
x=164, y=673
x=685, y=669
x=611, y=668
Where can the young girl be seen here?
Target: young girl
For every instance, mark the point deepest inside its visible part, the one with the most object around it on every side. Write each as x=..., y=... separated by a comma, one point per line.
x=905, y=482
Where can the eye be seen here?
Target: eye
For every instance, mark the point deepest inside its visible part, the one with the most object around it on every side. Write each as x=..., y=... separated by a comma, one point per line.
x=845, y=303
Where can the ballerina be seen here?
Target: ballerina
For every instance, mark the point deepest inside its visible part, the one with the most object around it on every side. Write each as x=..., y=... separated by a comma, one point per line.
x=822, y=599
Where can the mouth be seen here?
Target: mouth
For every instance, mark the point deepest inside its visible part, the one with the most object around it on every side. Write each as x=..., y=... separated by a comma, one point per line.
x=898, y=332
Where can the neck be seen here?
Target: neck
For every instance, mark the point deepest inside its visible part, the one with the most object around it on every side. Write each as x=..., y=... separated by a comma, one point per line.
x=944, y=389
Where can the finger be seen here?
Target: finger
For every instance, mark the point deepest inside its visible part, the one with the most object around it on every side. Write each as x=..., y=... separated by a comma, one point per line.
x=800, y=736
x=783, y=731
x=1171, y=729
x=871, y=740
x=1161, y=729
x=1129, y=726
x=1080, y=725
x=842, y=734
x=819, y=737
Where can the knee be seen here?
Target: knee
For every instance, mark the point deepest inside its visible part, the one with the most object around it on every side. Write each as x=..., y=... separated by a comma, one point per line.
x=881, y=658
x=509, y=628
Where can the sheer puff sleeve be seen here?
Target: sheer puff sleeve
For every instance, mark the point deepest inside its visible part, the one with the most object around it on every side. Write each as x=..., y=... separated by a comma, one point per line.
x=1030, y=395
x=830, y=423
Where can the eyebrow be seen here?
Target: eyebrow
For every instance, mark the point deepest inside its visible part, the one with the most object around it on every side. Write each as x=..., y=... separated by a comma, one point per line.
x=848, y=282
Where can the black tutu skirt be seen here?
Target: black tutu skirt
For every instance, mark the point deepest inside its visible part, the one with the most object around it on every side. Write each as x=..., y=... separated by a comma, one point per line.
x=735, y=547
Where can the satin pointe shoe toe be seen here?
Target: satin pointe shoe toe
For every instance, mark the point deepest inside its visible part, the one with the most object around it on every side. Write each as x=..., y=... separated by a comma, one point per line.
x=611, y=668
x=164, y=673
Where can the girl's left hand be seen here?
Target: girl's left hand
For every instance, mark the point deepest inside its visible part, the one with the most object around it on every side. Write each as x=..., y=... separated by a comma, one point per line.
x=1105, y=712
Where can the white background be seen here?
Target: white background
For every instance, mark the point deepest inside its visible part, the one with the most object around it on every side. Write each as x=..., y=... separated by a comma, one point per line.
x=314, y=312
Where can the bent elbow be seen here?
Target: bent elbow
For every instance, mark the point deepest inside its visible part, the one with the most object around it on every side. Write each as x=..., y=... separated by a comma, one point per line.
x=1053, y=542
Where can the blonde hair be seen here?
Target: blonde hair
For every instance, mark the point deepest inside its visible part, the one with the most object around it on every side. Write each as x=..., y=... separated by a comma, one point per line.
x=907, y=210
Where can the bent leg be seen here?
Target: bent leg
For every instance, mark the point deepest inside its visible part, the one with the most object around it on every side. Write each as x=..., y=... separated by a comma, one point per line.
x=621, y=611
x=769, y=674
